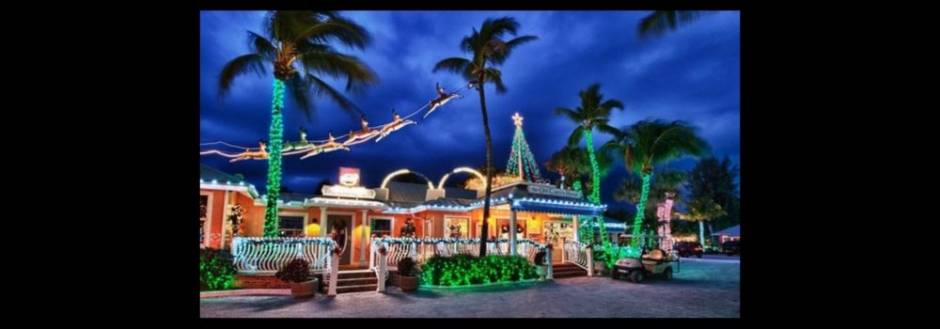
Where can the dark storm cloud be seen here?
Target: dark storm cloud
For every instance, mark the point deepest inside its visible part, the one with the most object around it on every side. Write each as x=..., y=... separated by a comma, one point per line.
x=691, y=75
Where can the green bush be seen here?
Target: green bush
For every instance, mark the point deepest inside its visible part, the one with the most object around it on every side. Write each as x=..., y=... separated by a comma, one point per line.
x=216, y=271
x=463, y=270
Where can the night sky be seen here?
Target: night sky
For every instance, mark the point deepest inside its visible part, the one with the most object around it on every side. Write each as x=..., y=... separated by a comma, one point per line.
x=691, y=74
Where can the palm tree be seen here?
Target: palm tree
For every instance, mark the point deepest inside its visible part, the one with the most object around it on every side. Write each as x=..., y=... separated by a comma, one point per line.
x=701, y=210
x=566, y=163
x=649, y=143
x=661, y=21
x=713, y=180
x=486, y=46
x=298, y=38
x=594, y=113
x=663, y=185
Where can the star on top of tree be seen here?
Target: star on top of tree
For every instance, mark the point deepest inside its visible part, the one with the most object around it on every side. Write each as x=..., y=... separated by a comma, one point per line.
x=517, y=119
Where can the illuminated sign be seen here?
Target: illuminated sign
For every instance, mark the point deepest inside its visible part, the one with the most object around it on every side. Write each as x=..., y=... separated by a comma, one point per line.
x=554, y=191
x=348, y=176
x=358, y=192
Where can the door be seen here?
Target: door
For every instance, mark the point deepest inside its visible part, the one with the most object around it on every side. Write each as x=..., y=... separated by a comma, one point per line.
x=343, y=223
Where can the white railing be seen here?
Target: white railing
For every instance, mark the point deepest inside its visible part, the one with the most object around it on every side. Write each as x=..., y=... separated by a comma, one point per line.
x=254, y=255
x=577, y=253
x=422, y=249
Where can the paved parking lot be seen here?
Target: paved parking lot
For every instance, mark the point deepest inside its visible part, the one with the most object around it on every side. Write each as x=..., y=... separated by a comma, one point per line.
x=702, y=288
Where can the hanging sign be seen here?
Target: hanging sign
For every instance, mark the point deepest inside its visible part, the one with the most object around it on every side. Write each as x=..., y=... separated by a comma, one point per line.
x=554, y=191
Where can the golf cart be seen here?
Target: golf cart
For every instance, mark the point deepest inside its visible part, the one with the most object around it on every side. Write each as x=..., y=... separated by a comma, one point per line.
x=656, y=262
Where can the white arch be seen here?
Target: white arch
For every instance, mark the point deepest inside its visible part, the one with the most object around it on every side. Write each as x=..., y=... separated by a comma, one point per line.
x=469, y=170
x=403, y=172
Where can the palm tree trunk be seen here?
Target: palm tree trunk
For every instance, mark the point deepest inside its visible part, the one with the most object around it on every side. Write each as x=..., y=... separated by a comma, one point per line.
x=484, y=231
x=640, y=210
x=595, y=187
x=701, y=232
x=275, y=141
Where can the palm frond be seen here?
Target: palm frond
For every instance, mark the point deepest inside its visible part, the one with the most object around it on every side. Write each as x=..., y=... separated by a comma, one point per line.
x=322, y=88
x=495, y=77
x=453, y=64
x=662, y=21
x=239, y=66
x=339, y=28
x=576, y=135
x=262, y=46
x=339, y=65
x=498, y=27
x=570, y=114
x=607, y=129
x=297, y=88
x=505, y=48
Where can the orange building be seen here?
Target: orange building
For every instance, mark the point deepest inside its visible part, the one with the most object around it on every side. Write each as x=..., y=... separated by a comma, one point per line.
x=542, y=212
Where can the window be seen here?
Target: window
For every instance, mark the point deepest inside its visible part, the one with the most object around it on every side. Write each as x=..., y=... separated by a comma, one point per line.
x=381, y=227
x=291, y=225
x=456, y=227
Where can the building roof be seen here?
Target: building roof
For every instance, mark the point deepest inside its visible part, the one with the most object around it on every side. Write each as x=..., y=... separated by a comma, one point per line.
x=208, y=174
x=411, y=197
x=731, y=231
x=212, y=178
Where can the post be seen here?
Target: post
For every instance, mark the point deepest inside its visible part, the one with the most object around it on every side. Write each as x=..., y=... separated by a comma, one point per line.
x=548, y=268
x=576, y=228
x=590, y=259
x=564, y=251
x=372, y=251
x=381, y=271
x=512, y=233
x=362, y=244
x=334, y=272
x=323, y=221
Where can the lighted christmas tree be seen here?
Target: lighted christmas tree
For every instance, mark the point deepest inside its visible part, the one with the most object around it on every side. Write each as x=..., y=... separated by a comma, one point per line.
x=521, y=161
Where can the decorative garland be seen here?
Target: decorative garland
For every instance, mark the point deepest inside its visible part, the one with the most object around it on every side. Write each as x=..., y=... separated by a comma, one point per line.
x=331, y=144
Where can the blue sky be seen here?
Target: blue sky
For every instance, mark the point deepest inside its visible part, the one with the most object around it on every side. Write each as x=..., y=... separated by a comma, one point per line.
x=691, y=74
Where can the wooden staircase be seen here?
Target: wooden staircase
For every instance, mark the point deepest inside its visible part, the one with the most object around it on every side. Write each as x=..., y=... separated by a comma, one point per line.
x=567, y=270
x=353, y=281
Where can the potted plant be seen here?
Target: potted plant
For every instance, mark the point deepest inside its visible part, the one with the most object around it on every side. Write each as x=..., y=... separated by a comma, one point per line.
x=407, y=280
x=540, y=268
x=297, y=273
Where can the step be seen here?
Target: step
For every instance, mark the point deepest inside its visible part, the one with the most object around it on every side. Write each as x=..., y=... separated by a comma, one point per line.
x=356, y=288
x=569, y=272
x=348, y=275
x=355, y=281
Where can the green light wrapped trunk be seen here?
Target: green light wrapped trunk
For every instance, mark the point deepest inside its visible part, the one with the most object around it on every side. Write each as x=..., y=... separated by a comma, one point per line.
x=640, y=210
x=275, y=142
x=596, y=191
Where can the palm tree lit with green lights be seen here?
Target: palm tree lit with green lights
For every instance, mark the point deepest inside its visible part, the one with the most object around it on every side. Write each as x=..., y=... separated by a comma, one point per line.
x=594, y=113
x=649, y=143
x=486, y=46
x=299, y=38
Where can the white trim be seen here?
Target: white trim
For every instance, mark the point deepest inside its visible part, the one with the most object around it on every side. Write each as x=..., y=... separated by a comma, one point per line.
x=207, y=236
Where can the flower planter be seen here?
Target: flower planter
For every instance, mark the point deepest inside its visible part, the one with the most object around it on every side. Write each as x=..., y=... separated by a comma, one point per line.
x=408, y=283
x=303, y=289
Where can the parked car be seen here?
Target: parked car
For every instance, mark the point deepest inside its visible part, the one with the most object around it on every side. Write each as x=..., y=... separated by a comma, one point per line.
x=686, y=249
x=731, y=248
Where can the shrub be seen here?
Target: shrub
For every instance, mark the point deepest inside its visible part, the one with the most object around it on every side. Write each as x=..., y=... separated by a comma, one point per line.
x=540, y=257
x=216, y=271
x=462, y=270
x=406, y=267
x=298, y=270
